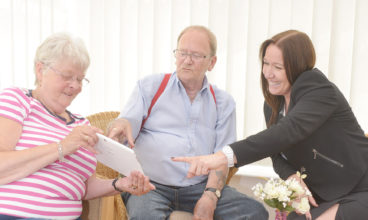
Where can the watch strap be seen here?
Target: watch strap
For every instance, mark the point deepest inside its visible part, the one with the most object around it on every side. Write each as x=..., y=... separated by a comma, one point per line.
x=215, y=191
x=114, y=185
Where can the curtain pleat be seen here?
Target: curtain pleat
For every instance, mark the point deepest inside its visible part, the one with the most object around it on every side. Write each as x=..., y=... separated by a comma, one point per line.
x=130, y=39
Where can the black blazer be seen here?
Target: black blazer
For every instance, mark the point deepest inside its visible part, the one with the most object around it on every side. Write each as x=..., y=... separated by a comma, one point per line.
x=319, y=134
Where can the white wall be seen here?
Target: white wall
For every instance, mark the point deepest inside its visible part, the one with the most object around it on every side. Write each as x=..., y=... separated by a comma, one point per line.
x=128, y=39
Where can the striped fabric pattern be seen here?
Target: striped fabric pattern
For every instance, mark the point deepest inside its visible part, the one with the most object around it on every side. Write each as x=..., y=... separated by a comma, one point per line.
x=54, y=192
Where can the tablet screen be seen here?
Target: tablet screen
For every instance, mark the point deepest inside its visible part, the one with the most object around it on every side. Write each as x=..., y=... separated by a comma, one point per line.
x=116, y=156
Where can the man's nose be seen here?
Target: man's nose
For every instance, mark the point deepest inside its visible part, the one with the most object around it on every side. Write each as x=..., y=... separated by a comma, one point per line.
x=188, y=58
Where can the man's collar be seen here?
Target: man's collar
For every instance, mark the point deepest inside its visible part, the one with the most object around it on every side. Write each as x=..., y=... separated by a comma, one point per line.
x=205, y=83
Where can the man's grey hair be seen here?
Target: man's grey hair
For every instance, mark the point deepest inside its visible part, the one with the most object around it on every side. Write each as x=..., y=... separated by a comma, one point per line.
x=211, y=36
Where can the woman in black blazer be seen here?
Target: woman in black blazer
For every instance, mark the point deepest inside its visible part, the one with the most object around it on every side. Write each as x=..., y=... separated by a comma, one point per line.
x=310, y=128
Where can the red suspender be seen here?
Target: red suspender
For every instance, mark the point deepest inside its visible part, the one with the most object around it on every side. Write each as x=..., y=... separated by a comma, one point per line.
x=213, y=94
x=161, y=90
x=157, y=95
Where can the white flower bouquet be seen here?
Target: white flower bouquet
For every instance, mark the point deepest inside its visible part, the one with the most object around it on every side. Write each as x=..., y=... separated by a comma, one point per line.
x=285, y=196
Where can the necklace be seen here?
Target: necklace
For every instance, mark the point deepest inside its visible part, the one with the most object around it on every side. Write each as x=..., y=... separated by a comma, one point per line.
x=33, y=94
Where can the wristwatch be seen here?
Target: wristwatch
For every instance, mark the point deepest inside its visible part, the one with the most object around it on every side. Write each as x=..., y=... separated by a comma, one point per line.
x=115, y=187
x=216, y=191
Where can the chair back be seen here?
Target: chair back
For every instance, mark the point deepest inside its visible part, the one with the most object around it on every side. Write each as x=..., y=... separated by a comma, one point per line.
x=109, y=207
x=231, y=173
x=101, y=120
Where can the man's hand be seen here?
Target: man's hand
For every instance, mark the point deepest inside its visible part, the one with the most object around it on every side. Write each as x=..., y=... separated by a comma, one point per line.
x=121, y=131
x=205, y=207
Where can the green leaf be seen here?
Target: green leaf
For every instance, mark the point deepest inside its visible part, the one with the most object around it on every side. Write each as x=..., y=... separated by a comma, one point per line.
x=289, y=208
x=270, y=203
x=274, y=203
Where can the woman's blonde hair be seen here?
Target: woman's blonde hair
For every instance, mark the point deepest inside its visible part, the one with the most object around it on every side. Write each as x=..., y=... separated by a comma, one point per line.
x=61, y=46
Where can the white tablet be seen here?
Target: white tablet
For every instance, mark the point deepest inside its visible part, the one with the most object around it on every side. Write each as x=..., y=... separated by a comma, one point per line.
x=116, y=156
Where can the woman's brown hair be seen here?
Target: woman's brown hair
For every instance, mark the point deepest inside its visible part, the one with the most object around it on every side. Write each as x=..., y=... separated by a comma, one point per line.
x=298, y=56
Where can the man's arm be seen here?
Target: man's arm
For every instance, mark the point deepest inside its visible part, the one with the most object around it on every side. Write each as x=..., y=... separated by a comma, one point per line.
x=206, y=205
x=225, y=134
x=120, y=130
x=217, y=180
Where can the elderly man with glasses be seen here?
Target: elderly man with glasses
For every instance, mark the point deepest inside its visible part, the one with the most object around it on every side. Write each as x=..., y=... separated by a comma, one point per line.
x=181, y=114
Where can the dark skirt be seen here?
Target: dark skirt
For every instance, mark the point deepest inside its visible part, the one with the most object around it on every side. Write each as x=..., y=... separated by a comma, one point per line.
x=353, y=206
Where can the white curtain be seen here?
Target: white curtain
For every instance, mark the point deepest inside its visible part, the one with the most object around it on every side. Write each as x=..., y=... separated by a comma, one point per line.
x=128, y=39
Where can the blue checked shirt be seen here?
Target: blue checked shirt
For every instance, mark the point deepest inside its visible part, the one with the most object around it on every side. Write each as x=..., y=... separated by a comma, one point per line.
x=177, y=127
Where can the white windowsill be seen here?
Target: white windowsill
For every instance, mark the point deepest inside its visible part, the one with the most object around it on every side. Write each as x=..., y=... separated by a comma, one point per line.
x=257, y=170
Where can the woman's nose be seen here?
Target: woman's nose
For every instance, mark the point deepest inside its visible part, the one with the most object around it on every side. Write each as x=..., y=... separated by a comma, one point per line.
x=267, y=72
x=75, y=83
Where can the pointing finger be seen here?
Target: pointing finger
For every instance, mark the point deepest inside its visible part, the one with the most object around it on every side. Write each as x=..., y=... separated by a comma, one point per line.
x=182, y=159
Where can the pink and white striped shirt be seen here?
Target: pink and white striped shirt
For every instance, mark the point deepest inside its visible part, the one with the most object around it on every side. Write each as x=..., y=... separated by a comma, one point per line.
x=55, y=191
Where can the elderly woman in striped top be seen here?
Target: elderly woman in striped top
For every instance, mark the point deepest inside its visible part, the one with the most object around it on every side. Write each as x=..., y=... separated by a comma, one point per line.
x=47, y=162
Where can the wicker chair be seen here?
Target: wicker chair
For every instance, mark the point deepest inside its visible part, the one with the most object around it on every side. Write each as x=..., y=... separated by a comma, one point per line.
x=109, y=207
x=112, y=207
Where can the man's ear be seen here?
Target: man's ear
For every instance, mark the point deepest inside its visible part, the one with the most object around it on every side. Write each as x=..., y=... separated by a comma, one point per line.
x=213, y=60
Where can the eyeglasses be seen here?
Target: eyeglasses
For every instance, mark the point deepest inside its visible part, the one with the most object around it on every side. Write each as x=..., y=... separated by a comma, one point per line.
x=70, y=78
x=182, y=55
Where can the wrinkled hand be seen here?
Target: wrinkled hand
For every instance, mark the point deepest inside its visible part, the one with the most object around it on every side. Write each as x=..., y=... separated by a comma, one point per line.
x=121, y=131
x=136, y=183
x=205, y=207
x=201, y=165
x=81, y=136
x=312, y=201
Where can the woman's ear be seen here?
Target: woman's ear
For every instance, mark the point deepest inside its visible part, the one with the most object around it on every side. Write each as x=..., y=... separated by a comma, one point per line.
x=39, y=72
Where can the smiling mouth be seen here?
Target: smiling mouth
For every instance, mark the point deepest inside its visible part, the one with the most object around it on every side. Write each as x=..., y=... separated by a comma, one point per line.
x=274, y=83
